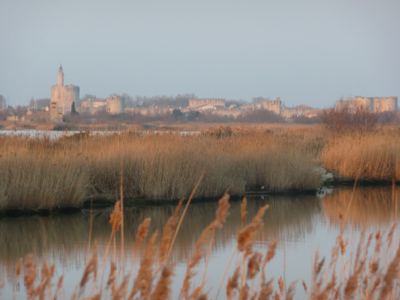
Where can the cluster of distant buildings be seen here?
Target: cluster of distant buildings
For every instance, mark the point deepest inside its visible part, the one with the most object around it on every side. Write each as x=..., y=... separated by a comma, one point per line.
x=65, y=97
x=218, y=106
x=373, y=104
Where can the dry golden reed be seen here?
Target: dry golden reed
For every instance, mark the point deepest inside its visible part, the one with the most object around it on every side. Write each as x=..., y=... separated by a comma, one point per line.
x=233, y=283
x=246, y=235
x=142, y=231
x=253, y=265
x=372, y=156
x=199, y=252
x=243, y=211
x=48, y=174
x=162, y=289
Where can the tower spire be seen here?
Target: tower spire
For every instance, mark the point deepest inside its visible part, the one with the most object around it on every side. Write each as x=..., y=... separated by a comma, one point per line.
x=60, y=76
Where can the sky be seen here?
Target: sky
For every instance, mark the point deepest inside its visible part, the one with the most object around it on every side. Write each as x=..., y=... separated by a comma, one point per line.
x=311, y=52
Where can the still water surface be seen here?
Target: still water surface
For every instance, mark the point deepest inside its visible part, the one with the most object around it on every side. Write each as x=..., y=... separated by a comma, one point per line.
x=303, y=224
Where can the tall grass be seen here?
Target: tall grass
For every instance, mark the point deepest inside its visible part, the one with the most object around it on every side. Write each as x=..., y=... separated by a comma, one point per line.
x=371, y=156
x=38, y=179
x=46, y=174
x=49, y=174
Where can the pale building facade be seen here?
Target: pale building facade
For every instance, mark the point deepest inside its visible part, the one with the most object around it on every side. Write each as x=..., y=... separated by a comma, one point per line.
x=273, y=105
x=373, y=104
x=278, y=108
x=300, y=110
x=195, y=103
x=113, y=105
x=63, y=95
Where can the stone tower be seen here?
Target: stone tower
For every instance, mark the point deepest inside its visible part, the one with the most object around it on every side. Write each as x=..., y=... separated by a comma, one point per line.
x=64, y=95
x=60, y=76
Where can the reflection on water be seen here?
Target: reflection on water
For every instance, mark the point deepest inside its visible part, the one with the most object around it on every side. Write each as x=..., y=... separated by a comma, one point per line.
x=301, y=223
x=366, y=207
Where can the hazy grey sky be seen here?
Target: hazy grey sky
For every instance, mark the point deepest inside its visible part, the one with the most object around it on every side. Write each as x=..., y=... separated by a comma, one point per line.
x=309, y=51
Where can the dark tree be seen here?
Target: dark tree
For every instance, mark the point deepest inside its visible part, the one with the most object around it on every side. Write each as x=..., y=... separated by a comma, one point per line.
x=73, y=109
x=176, y=113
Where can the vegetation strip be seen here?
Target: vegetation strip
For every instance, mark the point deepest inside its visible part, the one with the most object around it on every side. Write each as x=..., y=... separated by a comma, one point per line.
x=43, y=174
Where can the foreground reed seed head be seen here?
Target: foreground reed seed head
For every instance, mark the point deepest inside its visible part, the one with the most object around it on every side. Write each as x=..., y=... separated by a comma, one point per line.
x=246, y=235
x=253, y=265
x=142, y=231
x=243, y=211
x=222, y=211
x=233, y=283
x=116, y=217
x=162, y=289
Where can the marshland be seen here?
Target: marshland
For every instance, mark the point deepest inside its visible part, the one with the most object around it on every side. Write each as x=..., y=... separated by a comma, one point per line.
x=279, y=234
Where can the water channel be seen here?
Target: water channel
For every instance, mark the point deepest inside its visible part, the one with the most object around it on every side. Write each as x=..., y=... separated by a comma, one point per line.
x=303, y=224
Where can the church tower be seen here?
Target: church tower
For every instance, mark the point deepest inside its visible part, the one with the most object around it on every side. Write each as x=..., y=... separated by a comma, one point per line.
x=60, y=76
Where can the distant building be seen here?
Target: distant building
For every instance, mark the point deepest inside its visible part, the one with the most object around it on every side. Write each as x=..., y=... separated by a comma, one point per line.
x=373, y=104
x=197, y=103
x=113, y=105
x=300, y=110
x=277, y=107
x=273, y=105
x=62, y=96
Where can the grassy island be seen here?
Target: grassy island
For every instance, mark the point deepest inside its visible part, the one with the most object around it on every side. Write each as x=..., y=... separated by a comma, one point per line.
x=44, y=173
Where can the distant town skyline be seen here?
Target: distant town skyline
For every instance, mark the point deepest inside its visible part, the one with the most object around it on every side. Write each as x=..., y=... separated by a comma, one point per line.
x=309, y=52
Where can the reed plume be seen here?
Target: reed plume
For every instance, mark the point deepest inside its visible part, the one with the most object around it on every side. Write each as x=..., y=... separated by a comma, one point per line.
x=253, y=265
x=91, y=268
x=162, y=289
x=30, y=276
x=246, y=235
x=244, y=292
x=392, y=274
x=143, y=229
x=168, y=231
x=116, y=217
x=142, y=232
x=144, y=279
x=352, y=282
x=205, y=237
x=266, y=290
x=233, y=283
x=243, y=211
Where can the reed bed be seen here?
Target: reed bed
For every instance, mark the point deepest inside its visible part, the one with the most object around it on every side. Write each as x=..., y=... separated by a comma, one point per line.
x=373, y=156
x=41, y=173
x=39, y=181
x=45, y=174
x=371, y=272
